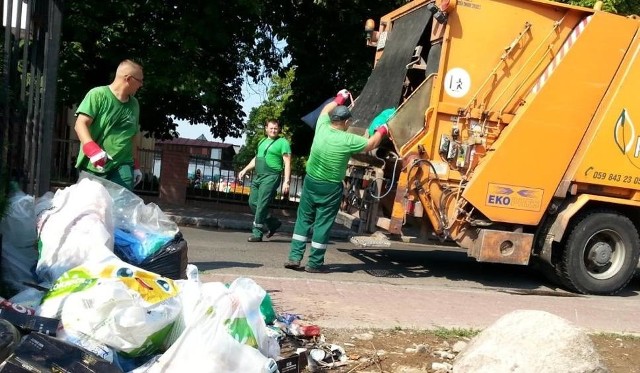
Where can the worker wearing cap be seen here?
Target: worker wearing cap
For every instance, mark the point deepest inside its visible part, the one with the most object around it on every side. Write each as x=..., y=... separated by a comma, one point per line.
x=331, y=150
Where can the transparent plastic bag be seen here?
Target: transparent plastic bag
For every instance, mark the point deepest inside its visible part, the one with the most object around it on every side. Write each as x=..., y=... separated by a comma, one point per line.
x=130, y=212
x=19, y=253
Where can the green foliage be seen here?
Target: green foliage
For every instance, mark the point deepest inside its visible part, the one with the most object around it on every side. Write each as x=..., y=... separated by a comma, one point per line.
x=449, y=333
x=326, y=42
x=624, y=7
x=278, y=97
x=195, y=56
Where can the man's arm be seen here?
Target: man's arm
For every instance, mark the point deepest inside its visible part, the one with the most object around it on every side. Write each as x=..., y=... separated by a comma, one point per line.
x=247, y=168
x=286, y=158
x=340, y=99
x=328, y=107
x=137, y=173
x=82, y=128
x=374, y=141
x=93, y=151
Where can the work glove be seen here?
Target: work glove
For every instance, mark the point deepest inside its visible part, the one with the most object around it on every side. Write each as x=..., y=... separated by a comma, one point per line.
x=97, y=156
x=383, y=129
x=342, y=97
x=137, y=174
x=379, y=123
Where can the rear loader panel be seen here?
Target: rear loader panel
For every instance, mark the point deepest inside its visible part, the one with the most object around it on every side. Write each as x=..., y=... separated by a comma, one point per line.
x=610, y=153
x=518, y=177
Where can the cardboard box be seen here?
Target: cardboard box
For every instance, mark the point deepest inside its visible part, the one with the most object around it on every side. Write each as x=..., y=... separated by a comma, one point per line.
x=30, y=323
x=292, y=364
x=42, y=353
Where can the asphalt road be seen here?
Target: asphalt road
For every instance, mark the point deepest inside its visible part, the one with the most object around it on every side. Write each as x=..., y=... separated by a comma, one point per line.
x=228, y=252
x=404, y=286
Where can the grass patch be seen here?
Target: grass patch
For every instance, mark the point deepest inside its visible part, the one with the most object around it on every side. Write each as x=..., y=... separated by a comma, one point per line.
x=450, y=333
x=626, y=337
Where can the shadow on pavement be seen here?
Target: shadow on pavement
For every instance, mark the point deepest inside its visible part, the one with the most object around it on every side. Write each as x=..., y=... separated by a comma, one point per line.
x=452, y=265
x=206, y=266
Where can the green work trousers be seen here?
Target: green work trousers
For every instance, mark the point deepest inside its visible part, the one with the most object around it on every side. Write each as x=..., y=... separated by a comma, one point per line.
x=319, y=204
x=263, y=189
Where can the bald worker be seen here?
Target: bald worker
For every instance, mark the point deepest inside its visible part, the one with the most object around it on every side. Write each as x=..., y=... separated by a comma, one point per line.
x=107, y=125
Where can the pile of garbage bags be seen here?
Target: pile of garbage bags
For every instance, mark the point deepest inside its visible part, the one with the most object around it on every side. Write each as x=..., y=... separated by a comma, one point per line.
x=95, y=280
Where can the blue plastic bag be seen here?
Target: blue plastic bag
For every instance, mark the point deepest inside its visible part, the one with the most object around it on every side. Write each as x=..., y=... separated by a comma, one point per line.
x=134, y=247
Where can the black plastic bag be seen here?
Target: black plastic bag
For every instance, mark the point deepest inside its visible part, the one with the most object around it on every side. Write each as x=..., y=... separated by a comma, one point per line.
x=170, y=261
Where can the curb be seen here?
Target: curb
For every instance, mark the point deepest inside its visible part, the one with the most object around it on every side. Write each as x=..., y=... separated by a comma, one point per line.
x=243, y=225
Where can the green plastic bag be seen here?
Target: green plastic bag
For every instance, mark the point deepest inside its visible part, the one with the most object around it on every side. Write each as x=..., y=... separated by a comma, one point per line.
x=382, y=118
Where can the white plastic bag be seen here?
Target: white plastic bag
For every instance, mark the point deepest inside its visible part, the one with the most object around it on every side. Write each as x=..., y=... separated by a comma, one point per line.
x=76, y=229
x=210, y=341
x=124, y=307
x=19, y=253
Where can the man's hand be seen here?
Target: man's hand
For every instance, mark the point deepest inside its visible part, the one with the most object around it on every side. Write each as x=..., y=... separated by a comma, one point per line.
x=97, y=156
x=342, y=97
x=137, y=174
x=241, y=174
x=285, y=188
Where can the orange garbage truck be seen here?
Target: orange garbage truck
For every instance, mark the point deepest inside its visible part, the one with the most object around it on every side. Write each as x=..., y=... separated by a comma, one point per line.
x=514, y=135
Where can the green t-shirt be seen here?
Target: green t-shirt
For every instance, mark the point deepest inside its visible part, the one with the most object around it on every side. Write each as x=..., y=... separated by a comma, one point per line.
x=272, y=151
x=114, y=126
x=331, y=151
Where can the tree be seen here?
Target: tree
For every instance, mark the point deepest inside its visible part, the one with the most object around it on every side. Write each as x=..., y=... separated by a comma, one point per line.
x=326, y=42
x=195, y=56
x=624, y=7
x=278, y=97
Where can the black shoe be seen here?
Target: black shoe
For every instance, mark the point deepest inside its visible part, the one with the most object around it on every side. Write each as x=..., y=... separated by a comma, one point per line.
x=273, y=230
x=321, y=269
x=254, y=239
x=290, y=264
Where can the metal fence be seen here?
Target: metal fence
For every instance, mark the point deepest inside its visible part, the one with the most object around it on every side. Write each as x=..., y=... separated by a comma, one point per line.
x=64, y=172
x=31, y=45
x=216, y=180
x=150, y=166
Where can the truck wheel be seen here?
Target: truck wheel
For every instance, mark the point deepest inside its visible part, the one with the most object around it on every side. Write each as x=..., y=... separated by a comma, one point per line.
x=601, y=253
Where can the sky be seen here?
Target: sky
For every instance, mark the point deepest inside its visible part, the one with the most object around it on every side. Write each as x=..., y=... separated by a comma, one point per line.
x=253, y=94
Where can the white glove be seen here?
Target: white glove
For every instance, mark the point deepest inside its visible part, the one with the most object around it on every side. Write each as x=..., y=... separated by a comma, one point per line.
x=137, y=176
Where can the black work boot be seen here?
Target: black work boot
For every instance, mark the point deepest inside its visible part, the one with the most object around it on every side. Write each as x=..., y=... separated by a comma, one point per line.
x=273, y=230
x=290, y=264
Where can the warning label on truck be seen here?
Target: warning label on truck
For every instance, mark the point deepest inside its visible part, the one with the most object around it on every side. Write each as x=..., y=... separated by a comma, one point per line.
x=514, y=197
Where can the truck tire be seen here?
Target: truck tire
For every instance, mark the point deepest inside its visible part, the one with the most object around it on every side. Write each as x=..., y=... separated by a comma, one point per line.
x=601, y=253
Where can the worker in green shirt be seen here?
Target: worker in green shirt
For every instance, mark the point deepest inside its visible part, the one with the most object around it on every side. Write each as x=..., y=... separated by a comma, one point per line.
x=272, y=157
x=331, y=150
x=107, y=126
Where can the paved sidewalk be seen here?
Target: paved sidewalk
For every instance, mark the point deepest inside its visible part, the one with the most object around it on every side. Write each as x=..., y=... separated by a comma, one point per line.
x=340, y=304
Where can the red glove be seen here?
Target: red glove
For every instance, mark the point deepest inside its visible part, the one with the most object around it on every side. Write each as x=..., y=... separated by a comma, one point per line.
x=342, y=97
x=97, y=156
x=383, y=130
